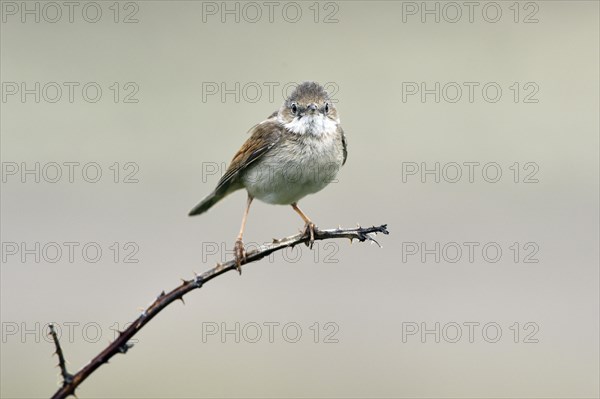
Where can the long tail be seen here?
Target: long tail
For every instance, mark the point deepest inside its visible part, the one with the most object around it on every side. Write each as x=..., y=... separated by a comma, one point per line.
x=207, y=203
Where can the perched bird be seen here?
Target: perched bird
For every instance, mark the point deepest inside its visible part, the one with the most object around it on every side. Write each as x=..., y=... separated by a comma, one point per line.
x=296, y=151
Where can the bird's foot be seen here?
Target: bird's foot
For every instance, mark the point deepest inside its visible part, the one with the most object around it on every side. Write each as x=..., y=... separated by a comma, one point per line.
x=240, y=254
x=309, y=230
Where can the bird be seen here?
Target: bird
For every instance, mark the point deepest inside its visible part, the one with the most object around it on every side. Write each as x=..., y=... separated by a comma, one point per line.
x=298, y=150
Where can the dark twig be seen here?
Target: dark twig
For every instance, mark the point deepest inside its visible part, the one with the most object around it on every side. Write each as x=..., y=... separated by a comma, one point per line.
x=121, y=344
x=67, y=378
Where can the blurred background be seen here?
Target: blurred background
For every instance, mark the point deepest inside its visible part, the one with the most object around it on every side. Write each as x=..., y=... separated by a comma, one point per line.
x=473, y=133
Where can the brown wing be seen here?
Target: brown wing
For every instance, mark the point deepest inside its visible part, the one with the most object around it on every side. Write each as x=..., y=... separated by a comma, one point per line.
x=264, y=137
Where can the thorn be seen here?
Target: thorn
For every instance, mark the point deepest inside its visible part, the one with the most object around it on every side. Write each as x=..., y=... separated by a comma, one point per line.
x=181, y=299
x=373, y=241
x=369, y=237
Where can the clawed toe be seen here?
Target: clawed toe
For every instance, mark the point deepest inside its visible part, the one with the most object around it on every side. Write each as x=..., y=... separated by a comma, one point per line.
x=309, y=229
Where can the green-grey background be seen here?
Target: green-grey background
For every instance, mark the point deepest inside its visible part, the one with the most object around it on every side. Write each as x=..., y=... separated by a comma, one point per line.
x=370, y=294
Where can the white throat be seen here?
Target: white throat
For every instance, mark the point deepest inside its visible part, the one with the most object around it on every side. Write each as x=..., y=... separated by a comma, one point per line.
x=315, y=124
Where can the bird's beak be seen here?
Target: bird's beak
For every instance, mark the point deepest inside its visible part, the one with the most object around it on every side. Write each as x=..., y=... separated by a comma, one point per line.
x=312, y=108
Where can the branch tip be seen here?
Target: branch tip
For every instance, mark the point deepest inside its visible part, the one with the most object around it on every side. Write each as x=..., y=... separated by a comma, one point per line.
x=62, y=364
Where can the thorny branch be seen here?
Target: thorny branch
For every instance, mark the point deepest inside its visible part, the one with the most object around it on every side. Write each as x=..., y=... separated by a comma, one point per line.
x=121, y=343
x=67, y=378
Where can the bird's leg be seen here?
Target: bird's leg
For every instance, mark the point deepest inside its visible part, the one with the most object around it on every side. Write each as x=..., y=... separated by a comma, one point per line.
x=240, y=252
x=309, y=227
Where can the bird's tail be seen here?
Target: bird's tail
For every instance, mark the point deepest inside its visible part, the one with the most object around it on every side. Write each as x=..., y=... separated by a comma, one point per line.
x=207, y=203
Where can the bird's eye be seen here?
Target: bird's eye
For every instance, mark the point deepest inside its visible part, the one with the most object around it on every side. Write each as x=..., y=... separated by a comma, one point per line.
x=294, y=108
x=326, y=107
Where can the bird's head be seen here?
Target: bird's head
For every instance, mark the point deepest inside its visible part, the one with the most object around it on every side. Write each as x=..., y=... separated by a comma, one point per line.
x=309, y=110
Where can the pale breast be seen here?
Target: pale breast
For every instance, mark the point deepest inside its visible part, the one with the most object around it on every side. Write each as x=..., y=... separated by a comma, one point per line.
x=299, y=165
